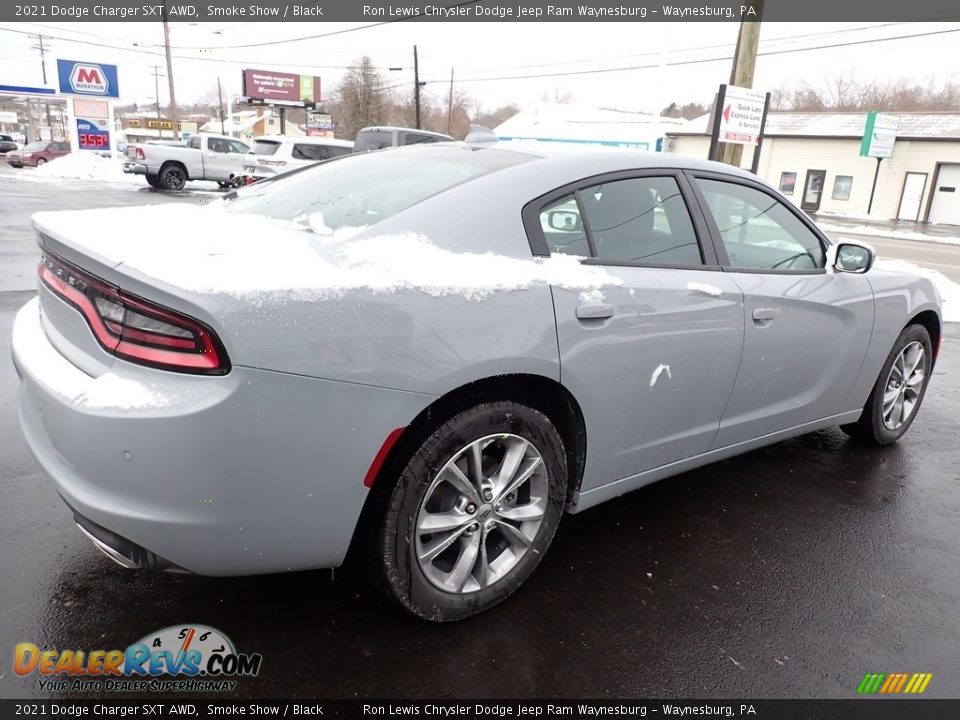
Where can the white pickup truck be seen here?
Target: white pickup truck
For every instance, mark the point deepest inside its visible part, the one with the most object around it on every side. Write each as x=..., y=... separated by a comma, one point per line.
x=171, y=165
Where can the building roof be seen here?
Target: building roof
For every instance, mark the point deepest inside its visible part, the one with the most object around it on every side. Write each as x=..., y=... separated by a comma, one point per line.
x=572, y=122
x=913, y=125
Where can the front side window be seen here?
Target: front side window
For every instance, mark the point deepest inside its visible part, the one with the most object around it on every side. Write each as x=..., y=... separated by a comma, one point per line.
x=758, y=231
x=238, y=147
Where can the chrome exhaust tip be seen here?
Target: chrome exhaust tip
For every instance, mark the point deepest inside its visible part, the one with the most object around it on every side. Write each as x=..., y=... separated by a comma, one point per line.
x=110, y=552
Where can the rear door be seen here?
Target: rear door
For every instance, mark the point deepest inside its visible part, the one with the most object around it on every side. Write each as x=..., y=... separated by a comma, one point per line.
x=653, y=356
x=806, y=328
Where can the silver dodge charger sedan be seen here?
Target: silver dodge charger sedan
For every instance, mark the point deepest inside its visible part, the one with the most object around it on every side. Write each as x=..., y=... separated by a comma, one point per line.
x=432, y=353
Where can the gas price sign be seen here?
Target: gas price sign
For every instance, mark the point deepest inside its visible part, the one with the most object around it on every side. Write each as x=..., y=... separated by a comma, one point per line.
x=93, y=134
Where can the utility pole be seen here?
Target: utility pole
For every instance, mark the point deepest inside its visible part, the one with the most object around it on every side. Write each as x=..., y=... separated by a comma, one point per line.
x=173, y=98
x=416, y=86
x=741, y=75
x=220, y=108
x=156, y=89
x=450, y=103
x=43, y=66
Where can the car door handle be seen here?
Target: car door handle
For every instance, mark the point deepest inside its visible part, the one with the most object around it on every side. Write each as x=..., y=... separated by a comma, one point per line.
x=594, y=312
x=766, y=314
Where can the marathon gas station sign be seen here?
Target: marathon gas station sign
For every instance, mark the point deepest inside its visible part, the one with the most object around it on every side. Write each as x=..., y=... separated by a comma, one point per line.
x=92, y=87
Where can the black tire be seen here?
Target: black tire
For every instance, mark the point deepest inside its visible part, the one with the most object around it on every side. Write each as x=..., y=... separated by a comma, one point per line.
x=154, y=181
x=41, y=161
x=224, y=184
x=870, y=428
x=394, y=558
x=173, y=177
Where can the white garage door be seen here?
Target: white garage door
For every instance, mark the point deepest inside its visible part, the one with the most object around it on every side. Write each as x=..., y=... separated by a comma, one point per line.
x=945, y=207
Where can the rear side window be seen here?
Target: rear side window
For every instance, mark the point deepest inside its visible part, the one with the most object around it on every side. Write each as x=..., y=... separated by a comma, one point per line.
x=310, y=151
x=636, y=220
x=373, y=140
x=418, y=139
x=759, y=231
x=265, y=147
x=194, y=142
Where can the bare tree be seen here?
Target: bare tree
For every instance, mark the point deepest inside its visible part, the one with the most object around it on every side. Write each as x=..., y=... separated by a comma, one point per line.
x=361, y=98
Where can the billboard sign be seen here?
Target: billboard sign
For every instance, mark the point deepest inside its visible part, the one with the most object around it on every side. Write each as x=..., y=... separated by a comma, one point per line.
x=83, y=78
x=741, y=118
x=879, y=134
x=280, y=88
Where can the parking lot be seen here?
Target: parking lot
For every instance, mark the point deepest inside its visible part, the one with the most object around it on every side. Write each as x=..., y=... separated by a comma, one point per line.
x=787, y=572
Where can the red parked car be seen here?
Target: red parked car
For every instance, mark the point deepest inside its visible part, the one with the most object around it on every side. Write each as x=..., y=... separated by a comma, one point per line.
x=37, y=153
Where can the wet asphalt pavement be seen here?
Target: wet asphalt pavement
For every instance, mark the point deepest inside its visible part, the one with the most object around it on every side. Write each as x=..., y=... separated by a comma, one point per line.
x=787, y=572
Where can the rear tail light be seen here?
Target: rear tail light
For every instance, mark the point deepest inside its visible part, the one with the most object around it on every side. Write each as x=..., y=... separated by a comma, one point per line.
x=133, y=328
x=140, y=155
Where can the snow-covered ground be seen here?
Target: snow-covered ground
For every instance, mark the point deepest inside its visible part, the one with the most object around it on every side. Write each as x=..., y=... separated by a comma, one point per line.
x=91, y=167
x=949, y=290
x=81, y=166
x=873, y=231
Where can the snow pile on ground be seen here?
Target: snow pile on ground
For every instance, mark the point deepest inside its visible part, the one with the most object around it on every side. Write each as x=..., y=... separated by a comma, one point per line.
x=948, y=289
x=207, y=249
x=871, y=231
x=84, y=166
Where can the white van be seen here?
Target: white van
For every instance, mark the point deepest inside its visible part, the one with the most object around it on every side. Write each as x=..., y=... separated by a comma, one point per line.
x=275, y=154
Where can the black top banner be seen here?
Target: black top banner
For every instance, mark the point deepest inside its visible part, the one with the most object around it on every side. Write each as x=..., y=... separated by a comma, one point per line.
x=377, y=11
x=863, y=709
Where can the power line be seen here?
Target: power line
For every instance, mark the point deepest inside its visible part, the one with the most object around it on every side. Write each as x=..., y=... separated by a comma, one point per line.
x=674, y=63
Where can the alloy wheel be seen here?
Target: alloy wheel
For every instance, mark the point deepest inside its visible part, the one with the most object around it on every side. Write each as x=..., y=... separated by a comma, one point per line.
x=481, y=513
x=903, y=386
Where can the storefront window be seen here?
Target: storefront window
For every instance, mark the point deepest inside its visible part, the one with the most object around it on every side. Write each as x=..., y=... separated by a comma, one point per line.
x=841, y=187
x=788, y=181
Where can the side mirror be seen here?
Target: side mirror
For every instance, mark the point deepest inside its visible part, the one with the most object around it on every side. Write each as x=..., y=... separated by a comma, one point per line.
x=854, y=258
x=564, y=220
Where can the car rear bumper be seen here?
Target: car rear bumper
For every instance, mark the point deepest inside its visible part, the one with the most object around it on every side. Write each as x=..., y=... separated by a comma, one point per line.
x=251, y=472
x=134, y=168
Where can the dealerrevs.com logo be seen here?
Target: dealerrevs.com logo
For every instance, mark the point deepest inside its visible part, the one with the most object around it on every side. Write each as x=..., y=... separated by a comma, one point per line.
x=180, y=658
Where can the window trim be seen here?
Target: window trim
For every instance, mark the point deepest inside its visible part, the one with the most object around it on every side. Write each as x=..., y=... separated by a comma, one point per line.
x=721, y=250
x=530, y=215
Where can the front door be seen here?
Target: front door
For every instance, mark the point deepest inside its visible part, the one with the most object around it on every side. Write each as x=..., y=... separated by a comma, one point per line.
x=813, y=190
x=806, y=329
x=218, y=162
x=653, y=352
x=914, y=184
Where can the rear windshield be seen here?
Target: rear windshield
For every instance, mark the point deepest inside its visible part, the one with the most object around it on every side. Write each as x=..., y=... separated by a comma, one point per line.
x=265, y=147
x=373, y=140
x=362, y=190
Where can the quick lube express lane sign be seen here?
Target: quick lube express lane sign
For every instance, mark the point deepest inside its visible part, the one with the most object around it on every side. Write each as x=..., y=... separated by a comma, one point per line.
x=741, y=117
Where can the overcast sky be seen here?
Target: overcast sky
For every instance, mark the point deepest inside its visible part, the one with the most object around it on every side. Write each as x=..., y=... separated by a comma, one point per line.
x=494, y=52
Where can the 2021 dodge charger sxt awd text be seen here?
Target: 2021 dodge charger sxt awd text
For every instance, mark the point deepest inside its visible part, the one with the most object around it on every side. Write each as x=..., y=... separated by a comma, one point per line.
x=455, y=343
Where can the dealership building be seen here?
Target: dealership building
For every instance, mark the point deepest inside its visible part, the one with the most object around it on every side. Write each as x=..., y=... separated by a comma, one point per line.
x=814, y=158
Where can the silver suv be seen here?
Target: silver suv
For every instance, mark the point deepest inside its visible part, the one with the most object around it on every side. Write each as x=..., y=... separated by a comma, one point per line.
x=378, y=138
